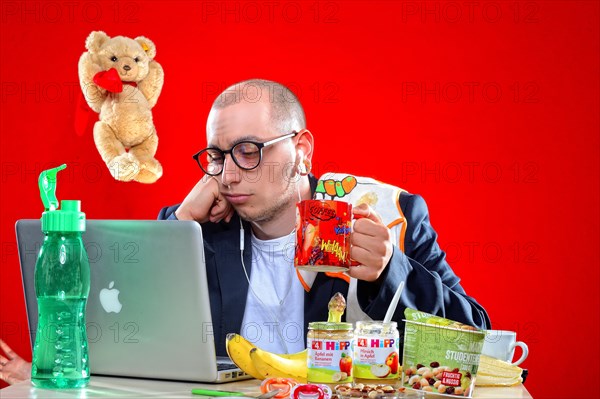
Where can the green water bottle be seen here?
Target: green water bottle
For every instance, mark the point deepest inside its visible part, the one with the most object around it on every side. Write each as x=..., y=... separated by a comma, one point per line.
x=62, y=285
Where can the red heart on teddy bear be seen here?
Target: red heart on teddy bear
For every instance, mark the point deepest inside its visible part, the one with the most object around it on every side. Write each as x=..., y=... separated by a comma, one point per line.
x=109, y=80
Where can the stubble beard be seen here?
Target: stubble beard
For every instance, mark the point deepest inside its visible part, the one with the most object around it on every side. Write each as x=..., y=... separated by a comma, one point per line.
x=273, y=209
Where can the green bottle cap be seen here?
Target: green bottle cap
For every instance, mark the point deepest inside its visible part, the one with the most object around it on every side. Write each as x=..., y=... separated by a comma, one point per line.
x=67, y=219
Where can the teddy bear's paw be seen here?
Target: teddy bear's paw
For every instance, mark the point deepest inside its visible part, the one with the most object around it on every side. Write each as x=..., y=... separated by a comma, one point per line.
x=151, y=165
x=124, y=167
x=147, y=177
x=150, y=171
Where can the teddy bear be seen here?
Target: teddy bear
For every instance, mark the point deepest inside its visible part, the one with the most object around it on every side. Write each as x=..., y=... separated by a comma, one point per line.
x=121, y=81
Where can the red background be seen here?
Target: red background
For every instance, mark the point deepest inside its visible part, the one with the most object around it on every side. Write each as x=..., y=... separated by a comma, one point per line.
x=487, y=109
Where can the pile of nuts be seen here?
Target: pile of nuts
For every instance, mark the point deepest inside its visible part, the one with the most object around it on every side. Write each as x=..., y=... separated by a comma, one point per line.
x=429, y=379
x=365, y=391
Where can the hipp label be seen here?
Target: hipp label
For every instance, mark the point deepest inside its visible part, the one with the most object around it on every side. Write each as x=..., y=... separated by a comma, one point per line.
x=376, y=343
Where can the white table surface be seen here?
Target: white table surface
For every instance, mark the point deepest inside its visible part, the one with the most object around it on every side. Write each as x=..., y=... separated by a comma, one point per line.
x=111, y=387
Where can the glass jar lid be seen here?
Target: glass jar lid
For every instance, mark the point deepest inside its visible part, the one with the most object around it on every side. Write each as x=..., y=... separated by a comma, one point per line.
x=329, y=326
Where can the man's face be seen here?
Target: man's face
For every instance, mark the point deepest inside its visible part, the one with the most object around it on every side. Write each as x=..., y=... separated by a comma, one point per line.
x=260, y=194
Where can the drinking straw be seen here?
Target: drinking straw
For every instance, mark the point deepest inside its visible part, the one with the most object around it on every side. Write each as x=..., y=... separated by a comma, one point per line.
x=394, y=303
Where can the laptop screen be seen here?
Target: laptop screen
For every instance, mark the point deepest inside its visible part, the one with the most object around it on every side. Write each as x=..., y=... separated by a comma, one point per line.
x=148, y=311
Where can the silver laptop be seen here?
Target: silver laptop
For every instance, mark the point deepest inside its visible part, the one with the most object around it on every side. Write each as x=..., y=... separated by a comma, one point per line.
x=148, y=311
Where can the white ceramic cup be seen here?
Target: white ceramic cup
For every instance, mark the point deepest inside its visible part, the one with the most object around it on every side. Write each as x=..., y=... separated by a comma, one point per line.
x=501, y=345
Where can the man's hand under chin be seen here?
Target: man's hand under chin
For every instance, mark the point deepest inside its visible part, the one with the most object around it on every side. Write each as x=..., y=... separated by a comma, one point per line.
x=371, y=244
x=205, y=203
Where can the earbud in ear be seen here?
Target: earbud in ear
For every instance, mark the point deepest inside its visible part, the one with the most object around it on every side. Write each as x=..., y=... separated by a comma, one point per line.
x=300, y=162
x=304, y=166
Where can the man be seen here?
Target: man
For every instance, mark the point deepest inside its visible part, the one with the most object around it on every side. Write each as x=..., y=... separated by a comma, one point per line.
x=263, y=192
x=256, y=169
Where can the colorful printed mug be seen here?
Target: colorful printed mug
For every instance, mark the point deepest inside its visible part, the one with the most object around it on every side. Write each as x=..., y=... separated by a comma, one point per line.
x=323, y=230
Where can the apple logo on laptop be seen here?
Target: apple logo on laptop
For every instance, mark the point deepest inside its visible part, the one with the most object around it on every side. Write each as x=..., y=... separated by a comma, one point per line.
x=109, y=299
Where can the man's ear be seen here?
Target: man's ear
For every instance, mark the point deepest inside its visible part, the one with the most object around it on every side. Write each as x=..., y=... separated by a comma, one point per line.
x=147, y=45
x=304, y=145
x=304, y=149
x=95, y=41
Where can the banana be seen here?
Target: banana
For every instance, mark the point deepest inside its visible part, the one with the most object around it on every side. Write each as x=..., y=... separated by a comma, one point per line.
x=238, y=349
x=292, y=365
x=302, y=355
x=271, y=365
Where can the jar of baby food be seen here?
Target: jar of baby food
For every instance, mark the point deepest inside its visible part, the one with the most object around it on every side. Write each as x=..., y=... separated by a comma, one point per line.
x=376, y=357
x=329, y=353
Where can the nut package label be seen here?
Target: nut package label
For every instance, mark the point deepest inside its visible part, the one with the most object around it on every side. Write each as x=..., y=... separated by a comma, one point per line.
x=440, y=356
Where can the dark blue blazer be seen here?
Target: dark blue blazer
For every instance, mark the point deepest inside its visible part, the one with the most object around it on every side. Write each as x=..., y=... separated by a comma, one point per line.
x=431, y=285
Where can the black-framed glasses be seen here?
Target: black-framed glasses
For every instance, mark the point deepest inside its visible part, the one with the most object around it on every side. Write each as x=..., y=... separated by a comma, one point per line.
x=246, y=155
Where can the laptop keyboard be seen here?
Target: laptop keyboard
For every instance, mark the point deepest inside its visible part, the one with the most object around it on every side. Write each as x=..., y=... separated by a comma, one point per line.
x=225, y=366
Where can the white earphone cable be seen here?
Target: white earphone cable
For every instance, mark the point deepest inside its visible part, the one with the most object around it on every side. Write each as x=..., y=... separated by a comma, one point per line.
x=272, y=316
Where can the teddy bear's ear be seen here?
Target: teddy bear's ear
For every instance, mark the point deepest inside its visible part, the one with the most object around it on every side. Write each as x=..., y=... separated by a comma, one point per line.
x=95, y=41
x=147, y=45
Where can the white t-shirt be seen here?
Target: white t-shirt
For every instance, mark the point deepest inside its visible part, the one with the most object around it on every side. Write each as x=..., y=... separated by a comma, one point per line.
x=275, y=302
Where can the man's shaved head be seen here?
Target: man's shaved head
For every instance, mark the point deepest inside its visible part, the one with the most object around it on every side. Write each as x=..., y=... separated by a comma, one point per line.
x=286, y=112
